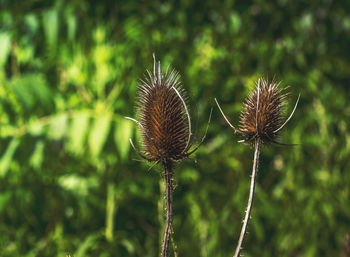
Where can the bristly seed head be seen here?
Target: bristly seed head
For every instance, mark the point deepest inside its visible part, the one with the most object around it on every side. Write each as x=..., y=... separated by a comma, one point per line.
x=164, y=118
x=162, y=114
x=263, y=112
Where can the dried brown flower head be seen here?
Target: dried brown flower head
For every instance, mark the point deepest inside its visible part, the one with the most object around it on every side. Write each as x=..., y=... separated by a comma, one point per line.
x=164, y=117
x=262, y=113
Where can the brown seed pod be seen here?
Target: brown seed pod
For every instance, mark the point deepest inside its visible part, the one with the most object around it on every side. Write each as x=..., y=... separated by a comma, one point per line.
x=262, y=113
x=162, y=113
x=164, y=117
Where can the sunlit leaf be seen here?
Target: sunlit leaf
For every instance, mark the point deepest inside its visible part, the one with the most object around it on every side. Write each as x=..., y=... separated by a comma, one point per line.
x=77, y=184
x=122, y=133
x=58, y=126
x=87, y=244
x=128, y=245
x=32, y=22
x=110, y=212
x=36, y=128
x=51, y=28
x=38, y=155
x=99, y=133
x=77, y=132
x=5, y=44
x=71, y=25
x=31, y=87
x=6, y=159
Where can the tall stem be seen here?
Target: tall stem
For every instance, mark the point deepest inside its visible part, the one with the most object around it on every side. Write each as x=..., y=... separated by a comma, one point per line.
x=168, y=175
x=251, y=196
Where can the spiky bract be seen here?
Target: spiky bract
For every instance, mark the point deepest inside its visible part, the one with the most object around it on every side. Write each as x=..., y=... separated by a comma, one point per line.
x=263, y=112
x=162, y=114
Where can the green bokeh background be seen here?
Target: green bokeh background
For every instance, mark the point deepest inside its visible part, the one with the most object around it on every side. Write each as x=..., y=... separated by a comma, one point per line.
x=69, y=71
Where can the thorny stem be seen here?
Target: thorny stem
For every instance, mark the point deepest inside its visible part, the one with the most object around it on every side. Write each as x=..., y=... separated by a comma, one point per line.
x=251, y=196
x=168, y=175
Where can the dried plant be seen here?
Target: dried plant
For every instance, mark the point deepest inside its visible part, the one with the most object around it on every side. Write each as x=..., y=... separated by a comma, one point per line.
x=260, y=123
x=166, y=129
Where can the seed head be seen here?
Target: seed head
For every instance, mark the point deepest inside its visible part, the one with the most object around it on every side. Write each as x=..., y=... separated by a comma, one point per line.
x=163, y=117
x=262, y=113
x=161, y=112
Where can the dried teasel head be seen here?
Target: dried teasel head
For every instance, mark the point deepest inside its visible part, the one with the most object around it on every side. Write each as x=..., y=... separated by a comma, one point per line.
x=164, y=118
x=262, y=113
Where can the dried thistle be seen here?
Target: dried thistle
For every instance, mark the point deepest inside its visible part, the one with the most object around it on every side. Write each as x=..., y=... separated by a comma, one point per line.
x=166, y=129
x=262, y=113
x=260, y=122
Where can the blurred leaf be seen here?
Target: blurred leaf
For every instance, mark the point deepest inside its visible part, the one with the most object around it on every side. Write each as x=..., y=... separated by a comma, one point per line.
x=189, y=175
x=235, y=22
x=22, y=91
x=89, y=242
x=77, y=184
x=122, y=133
x=5, y=47
x=71, y=25
x=36, y=127
x=128, y=245
x=99, y=133
x=4, y=199
x=77, y=72
x=77, y=132
x=32, y=22
x=6, y=159
x=51, y=28
x=24, y=53
x=58, y=126
x=110, y=211
x=38, y=155
x=31, y=87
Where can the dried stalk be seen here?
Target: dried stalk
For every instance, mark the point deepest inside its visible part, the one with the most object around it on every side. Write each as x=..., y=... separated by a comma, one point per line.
x=251, y=196
x=168, y=175
x=260, y=122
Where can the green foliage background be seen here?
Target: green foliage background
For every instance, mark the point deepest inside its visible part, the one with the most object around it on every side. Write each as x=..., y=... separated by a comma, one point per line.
x=68, y=75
